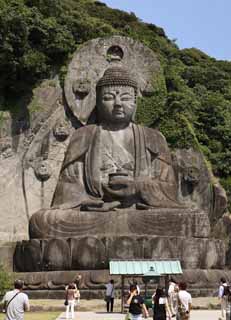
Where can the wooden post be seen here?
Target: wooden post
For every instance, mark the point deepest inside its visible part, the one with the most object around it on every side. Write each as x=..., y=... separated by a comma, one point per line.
x=122, y=294
x=166, y=280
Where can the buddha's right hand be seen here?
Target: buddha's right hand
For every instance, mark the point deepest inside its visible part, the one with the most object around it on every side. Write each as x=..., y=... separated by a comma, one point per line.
x=94, y=204
x=103, y=207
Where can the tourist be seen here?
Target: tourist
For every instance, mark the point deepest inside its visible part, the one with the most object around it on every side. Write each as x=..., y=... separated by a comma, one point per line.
x=184, y=302
x=110, y=295
x=160, y=305
x=71, y=294
x=172, y=294
x=137, y=287
x=78, y=280
x=223, y=296
x=15, y=302
x=136, y=304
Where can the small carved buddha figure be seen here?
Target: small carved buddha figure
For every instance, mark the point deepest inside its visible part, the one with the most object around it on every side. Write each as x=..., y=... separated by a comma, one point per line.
x=116, y=163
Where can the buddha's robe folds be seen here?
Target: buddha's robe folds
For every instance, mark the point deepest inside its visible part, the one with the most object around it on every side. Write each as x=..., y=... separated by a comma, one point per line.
x=150, y=164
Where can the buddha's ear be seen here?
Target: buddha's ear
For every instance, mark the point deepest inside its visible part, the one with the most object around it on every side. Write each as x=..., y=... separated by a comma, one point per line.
x=134, y=113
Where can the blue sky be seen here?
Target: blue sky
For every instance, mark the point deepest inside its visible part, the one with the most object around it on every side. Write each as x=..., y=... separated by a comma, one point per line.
x=204, y=24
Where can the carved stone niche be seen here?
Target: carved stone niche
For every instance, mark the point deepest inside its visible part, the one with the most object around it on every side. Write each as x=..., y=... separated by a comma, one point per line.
x=61, y=130
x=6, y=150
x=42, y=170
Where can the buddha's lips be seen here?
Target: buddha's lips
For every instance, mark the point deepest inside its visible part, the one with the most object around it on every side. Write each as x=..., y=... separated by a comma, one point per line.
x=118, y=113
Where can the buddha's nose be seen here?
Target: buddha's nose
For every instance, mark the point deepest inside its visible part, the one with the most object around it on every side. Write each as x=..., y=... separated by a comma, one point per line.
x=117, y=102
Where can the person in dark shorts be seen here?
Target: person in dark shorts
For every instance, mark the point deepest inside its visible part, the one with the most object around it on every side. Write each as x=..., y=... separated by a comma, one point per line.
x=136, y=304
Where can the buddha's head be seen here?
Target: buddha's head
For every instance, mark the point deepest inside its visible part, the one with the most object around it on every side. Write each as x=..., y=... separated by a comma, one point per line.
x=116, y=97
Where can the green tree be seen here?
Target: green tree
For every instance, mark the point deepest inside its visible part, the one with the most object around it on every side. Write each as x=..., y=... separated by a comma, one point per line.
x=5, y=280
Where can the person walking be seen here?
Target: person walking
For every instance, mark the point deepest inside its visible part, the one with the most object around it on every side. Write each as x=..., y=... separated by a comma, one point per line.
x=71, y=294
x=136, y=304
x=16, y=302
x=161, y=308
x=184, y=302
x=222, y=295
x=110, y=295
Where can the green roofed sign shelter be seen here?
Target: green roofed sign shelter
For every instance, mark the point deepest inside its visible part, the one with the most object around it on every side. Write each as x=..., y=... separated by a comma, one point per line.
x=147, y=269
x=140, y=267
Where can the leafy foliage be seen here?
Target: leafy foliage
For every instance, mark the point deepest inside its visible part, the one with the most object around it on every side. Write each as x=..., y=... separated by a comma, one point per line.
x=5, y=281
x=191, y=103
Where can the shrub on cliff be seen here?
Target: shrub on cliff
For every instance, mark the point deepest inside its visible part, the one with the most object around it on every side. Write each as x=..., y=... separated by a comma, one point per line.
x=5, y=280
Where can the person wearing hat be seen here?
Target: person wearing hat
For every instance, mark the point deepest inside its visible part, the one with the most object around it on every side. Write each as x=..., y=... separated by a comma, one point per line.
x=16, y=302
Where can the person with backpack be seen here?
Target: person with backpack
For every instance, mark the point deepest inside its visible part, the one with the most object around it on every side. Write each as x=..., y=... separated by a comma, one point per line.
x=223, y=293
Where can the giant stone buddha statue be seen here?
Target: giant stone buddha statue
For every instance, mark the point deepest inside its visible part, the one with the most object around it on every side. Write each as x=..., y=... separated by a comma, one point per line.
x=120, y=193
x=116, y=163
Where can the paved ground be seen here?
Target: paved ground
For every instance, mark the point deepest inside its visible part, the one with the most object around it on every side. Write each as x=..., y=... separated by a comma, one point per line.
x=209, y=303
x=196, y=315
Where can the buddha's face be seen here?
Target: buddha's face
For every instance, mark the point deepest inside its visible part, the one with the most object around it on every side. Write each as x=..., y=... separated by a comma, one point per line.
x=116, y=104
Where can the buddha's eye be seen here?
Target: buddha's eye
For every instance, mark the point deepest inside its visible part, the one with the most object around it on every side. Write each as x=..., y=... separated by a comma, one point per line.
x=126, y=98
x=108, y=97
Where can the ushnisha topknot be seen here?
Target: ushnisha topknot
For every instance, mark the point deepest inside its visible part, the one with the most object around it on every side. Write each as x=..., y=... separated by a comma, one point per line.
x=117, y=75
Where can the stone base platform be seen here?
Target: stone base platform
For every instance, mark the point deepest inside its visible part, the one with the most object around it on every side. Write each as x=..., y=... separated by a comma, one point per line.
x=51, y=285
x=77, y=240
x=85, y=253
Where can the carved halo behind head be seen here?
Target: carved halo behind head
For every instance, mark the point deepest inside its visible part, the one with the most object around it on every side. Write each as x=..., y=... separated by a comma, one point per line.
x=87, y=71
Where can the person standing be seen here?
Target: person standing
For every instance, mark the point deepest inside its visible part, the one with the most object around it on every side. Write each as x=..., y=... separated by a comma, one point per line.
x=136, y=304
x=222, y=295
x=172, y=294
x=71, y=294
x=16, y=302
x=110, y=295
x=78, y=280
x=161, y=308
x=184, y=302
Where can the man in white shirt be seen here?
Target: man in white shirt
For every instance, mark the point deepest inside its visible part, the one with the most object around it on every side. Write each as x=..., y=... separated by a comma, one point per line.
x=16, y=302
x=184, y=303
x=223, y=296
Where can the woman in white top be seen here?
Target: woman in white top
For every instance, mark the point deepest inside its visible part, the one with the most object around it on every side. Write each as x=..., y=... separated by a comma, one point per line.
x=161, y=309
x=71, y=294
